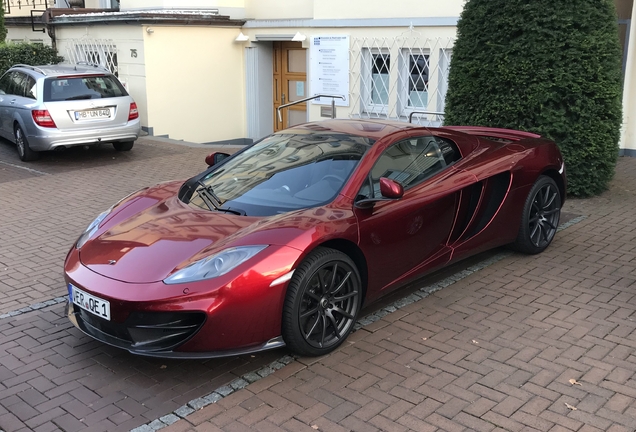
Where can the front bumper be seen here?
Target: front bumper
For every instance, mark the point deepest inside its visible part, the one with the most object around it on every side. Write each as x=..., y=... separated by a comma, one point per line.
x=237, y=313
x=155, y=336
x=43, y=139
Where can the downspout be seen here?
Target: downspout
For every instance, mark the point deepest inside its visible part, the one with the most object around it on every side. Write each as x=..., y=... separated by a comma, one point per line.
x=50, y=29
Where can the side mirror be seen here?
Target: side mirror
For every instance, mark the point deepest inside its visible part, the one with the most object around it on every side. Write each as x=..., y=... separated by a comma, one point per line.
x=216, y=157
x=391, y=189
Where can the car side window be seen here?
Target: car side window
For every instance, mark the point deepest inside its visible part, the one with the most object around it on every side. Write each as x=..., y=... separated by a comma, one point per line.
x=410, y=162
x=4, y=83
x=16, y=85
x=10, y=85
x=30, y=87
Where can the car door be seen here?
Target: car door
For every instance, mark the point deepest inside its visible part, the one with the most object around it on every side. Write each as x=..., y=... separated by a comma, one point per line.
x=6, y=96
x=15, y=101
x=406, y=237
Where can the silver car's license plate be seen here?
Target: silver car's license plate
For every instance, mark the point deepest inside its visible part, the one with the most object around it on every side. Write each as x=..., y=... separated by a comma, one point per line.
x=92, y=114
x=89, y=303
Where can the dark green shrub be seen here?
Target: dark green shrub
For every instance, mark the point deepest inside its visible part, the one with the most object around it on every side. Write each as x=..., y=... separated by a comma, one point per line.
x=26, y=53
x=549, y=67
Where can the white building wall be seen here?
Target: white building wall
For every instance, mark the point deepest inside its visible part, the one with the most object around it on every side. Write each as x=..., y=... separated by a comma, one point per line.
x=279, y=9
x=356, y=9
x=628, y=135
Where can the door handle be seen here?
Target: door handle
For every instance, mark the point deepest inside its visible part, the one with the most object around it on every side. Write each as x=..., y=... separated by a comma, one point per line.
x=282, y=98
x=12, y=101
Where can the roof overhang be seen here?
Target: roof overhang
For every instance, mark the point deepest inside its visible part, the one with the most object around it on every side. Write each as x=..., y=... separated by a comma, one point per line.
x=70, y=17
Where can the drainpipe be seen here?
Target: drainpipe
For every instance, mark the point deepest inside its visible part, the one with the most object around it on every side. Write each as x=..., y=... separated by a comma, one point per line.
x=50, y=29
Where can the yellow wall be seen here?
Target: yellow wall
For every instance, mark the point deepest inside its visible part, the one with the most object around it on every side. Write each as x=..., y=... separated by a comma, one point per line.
x=325, y=9
x=202, y=68
x=279, y=9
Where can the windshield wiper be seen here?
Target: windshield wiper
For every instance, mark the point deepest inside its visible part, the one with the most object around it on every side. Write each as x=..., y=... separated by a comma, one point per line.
x=213, y=202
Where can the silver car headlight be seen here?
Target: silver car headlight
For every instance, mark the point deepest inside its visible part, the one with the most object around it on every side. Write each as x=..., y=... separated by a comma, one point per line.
x=90, y=230
x=215, y=265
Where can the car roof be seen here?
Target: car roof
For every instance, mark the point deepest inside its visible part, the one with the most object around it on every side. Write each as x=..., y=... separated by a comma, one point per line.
x=374, y=129
x=63, y=69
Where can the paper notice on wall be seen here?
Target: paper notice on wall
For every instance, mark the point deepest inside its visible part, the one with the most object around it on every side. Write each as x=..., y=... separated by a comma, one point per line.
x=329, y=57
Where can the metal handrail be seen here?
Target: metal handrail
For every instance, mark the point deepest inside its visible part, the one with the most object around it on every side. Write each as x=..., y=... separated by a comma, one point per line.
x=333, y=104
x=423, y=112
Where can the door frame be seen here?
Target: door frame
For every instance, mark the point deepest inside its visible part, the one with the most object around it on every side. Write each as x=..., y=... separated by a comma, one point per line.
x=281, y=78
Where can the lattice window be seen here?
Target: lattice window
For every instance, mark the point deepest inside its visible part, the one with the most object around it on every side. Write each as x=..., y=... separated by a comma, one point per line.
x=101, y=52
x=393, y=77
x=376, y=65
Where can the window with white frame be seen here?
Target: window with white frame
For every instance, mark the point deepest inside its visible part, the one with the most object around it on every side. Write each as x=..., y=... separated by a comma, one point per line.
x=376, y=66
x=413, y=82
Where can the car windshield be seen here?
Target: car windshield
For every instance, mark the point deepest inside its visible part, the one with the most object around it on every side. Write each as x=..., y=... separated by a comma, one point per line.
x=82, y=87
x=282, y=173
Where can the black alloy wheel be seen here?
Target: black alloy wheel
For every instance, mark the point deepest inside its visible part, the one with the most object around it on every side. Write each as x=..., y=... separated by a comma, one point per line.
x=22, y=145
x=322, y=303
x=540, y=219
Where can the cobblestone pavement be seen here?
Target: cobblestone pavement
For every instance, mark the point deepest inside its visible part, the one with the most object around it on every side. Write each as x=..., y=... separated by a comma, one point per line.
x=542, y=342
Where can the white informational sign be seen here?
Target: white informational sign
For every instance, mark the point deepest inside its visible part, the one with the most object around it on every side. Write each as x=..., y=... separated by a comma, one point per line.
x=329, y=56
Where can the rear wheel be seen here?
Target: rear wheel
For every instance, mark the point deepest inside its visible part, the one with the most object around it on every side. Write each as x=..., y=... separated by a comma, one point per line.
x=124, y=146
x=22, y=144
x=540, y=218
x=322, y=303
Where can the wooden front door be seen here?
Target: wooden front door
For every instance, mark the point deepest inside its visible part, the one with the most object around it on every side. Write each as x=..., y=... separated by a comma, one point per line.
x=290, y=83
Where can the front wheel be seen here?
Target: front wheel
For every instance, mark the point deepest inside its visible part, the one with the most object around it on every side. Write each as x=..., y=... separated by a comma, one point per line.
x=22, y=144
x=123, y=146
x=540, y=218
x=322, y=303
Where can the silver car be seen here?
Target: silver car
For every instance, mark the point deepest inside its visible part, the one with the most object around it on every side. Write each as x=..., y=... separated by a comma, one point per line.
x=56, y=106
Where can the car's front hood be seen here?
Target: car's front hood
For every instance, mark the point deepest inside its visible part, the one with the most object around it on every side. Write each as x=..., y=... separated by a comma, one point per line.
x=149, y=244
x=149, y=236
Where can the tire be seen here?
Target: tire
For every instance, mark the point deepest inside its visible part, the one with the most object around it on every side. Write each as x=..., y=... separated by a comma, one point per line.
x=540, y=218
x=22, y=145
x=322, y=303
x=123, y=146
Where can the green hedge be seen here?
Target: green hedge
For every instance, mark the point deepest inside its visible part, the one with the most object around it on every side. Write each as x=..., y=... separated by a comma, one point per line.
x=552, y=67
x=26, y=53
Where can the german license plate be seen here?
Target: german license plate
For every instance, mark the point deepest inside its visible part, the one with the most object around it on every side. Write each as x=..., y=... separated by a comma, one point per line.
x=92, y=114
x=90, y=303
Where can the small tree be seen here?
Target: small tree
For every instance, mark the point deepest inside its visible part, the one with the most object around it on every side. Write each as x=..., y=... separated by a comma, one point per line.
x=544, y=66
x=3, y=29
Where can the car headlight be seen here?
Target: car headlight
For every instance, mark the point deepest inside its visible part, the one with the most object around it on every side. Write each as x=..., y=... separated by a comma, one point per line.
x=215, y=265
x=90, y=230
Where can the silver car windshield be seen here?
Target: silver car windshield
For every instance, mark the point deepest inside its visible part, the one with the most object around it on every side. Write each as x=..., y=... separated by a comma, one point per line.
x=283, y=173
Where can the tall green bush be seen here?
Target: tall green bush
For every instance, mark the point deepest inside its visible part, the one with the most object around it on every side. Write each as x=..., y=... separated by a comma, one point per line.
x=26, y=53
x=552, y=67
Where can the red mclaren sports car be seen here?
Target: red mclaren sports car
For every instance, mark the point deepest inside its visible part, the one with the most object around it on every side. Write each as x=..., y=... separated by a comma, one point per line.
x=283, y=242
